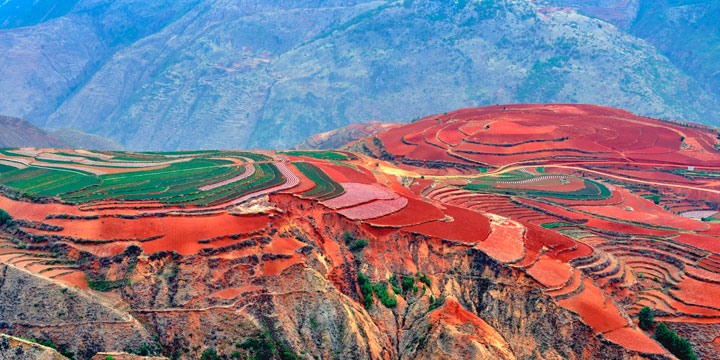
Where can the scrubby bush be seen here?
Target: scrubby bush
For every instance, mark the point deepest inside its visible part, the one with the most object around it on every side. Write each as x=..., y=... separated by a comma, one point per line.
x=358, y=245
x=5, y=218
x=423, y=278
x=387, y=299
x=408, y=284
x=366, y=290
x=210, y=354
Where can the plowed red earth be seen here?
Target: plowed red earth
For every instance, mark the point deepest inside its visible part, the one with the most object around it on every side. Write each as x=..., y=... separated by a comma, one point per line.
x=416, y=212
x=179, y=233
x=466, y=226
x=359, y=193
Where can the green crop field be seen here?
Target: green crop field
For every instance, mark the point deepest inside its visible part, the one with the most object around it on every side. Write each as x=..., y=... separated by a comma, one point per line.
x=325, y=187
x=323, y=155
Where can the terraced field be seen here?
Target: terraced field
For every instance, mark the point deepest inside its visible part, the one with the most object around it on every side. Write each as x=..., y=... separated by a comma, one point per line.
x=597, y=211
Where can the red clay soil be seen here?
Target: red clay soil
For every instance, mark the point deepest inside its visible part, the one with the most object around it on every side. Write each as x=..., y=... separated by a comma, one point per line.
x=76, y=278
x=699, y=293
x=452, y=313
x=636, y=340
x=537, y=238
x=709, y=243
x=627, y=228
x=549, y=272
x=416, y=212
x=180, y=233
x=283, y=245
x=504, y=242
x=634, y=208
x=231, y=293
x=467, y=226
x=605, y=133
x=276, y=266
x=35, y=212
x=342, y=174
x=594, y=309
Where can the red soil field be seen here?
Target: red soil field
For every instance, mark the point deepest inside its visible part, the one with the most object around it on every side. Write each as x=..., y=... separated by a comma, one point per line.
x=636, y=340
x=594, y=308
x=583, y=127
x=505, y=241
x=304, y=185
x=467, y=226
x=634, y=208
x=549, y=272
x=231, y=293
x=356, y=193
x=374, y=209
x=276, y=266
x=699, y=293
x=416, y=212
x=627, y=228
x=341, y=174
x=708, y=243
x=283, y=245
x=76, y=278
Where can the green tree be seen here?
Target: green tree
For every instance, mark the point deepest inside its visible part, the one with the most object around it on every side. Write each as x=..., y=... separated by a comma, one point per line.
x=5, y=218
x=674, y=343
x=646, y=319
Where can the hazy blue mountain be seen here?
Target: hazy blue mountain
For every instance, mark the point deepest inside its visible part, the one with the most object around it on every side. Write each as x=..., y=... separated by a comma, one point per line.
x=265, y=74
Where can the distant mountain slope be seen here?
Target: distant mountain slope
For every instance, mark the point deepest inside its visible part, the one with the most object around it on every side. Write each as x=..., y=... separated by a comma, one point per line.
x=16, y=132
x=212, y=74
x=687, y=32
x=337, y=138
x=79, y=139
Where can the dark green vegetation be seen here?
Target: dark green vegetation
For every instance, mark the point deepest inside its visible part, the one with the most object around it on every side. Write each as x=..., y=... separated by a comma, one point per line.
x=262, y=346
x=61, y=349
x=366, y=290
x=107, y=285
x=324, y=155
x=677, y=345
x=593, y=190
x=325, y=187
x=645, y=318
x=5, y=218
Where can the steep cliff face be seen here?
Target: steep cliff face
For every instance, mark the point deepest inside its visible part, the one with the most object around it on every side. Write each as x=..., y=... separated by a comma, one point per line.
x=76, y=322
x=459, y=301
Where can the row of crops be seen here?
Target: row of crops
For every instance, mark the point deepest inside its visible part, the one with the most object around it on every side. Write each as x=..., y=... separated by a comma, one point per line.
x=177, y=183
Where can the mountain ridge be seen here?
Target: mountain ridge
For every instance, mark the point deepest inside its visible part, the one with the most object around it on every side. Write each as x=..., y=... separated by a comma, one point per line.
x=205, y=74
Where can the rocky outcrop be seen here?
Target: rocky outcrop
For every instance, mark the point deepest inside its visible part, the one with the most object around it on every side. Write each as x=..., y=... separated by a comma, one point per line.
x=37, y=308
x=12, y=348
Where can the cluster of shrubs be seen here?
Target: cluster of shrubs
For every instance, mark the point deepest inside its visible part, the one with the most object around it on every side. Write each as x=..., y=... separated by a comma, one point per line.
x=677, y=345
x=353, y=243
x=5, y=218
